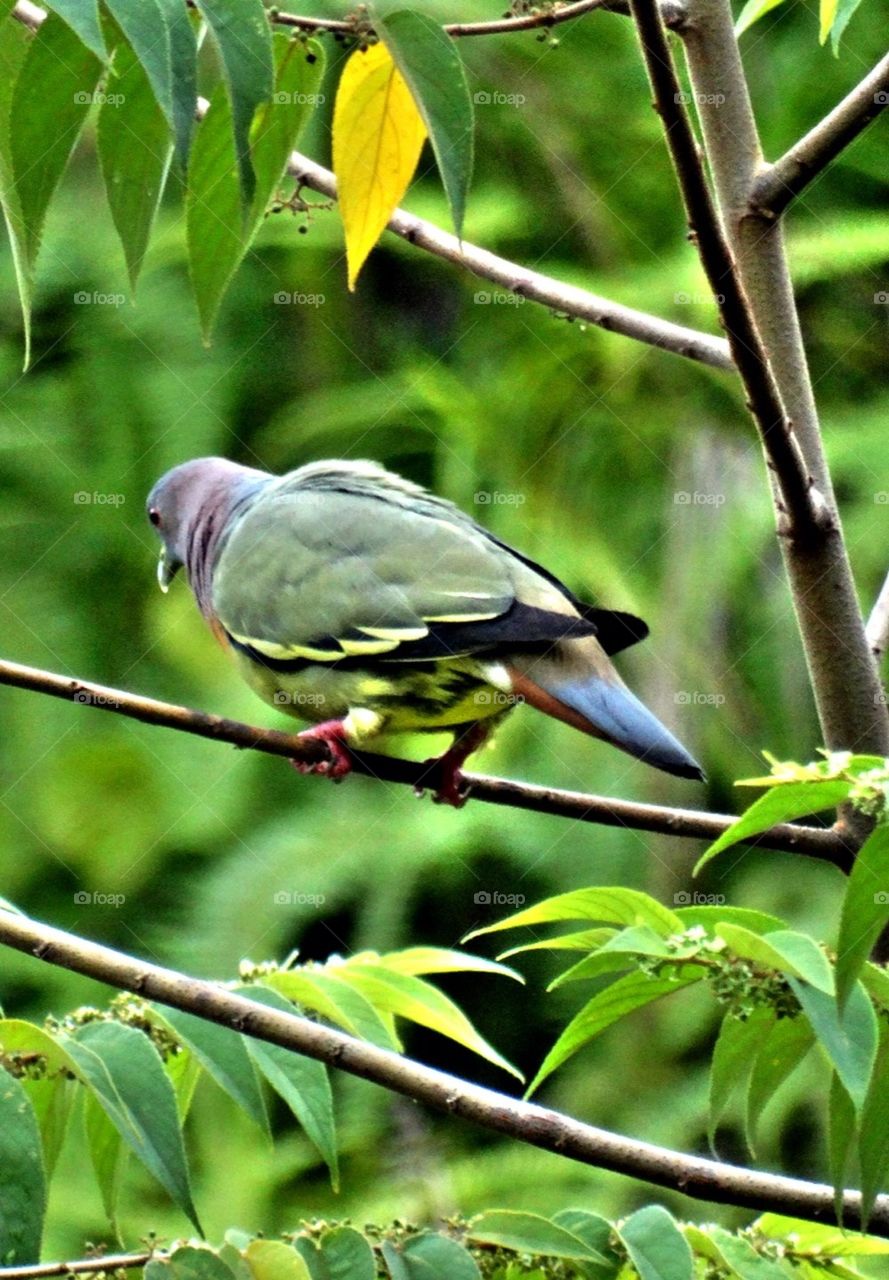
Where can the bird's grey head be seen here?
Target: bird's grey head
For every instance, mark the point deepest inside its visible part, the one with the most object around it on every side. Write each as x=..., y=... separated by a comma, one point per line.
x=190, y=505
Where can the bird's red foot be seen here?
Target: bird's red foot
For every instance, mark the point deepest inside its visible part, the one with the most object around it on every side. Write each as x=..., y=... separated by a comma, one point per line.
x=444, y=772
x=333, y=735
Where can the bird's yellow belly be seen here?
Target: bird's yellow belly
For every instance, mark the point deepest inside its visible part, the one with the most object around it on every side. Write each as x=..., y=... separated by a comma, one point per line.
x=403, y=697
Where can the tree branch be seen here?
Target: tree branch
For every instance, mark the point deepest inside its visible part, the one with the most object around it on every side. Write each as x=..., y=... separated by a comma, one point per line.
x=81, y=1266
x=877, y=629
x=780, y=183
x=842, y=671
x=825, y=844
x=564, y=298
x=538, y=1126
x=803, y=507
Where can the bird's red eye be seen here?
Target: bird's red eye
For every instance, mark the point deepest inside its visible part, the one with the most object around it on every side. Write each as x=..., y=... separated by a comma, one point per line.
x=154, y=516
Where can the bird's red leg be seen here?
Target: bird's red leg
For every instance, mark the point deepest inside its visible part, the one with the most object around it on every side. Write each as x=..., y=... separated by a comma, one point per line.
x=333, y=734
x=444, y=772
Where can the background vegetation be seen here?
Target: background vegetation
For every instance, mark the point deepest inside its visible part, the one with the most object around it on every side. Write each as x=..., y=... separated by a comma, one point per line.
x=632, y=473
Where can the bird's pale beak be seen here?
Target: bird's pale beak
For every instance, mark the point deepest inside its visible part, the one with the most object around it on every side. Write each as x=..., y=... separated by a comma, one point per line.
x=166, y=570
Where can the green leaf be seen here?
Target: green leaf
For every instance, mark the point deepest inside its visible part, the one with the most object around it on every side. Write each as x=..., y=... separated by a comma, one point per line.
x=22, y=1180
x=134, y=148
x=162, y=39
x=873, y=1141
x=242, y=34
x=584, y=940
x=754, y=10
x=657, y=1248
x=737, y=1047
x=108, y=1156
x=194, y=1262
x=48, y=106
x=302, y=1082
x=183, y=1071
x=341, y=1254
x=124, y=1071
x=223, y=1054
x=782, y=1051
x=709, y=917
x=842, y=1127
x=405, y=996
x=430, y=64
x=740, y=1257
x=619, y=952
x=845, y=11
x=14, y=42
x=786, y=951
x=818, y=1240
x=615, y=1002
x=848, y=1037
x=779, y=804
x=52, y=1094
x=53, y=1101
x=419, y=961
x=219, y=228
x=272, y=1260
x=430, y=1256
x=616, y=906
x=82, y=16
x=530, y=1233
x=875, y=980
x=324, y=992
x=865, y=909
x=596, y=1233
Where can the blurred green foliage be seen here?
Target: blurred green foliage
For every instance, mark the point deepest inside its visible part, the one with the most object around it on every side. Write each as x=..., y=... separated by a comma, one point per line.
x=632, y=473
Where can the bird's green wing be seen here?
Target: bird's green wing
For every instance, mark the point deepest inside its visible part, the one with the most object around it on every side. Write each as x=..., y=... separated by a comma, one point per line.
x=317, y=575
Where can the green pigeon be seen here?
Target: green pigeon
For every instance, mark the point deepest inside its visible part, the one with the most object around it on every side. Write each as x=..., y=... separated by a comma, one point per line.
x=355, y=599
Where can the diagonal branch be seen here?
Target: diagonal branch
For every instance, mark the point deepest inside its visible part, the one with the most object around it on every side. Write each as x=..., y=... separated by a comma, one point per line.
x=804, y=509
x=812, y=841
x=783, y=181
x=536, y=287
x=538, y=1126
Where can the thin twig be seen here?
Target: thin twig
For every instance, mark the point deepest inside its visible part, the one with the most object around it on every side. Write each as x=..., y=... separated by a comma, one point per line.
x=538, y=1126
x=783, y=181
x=806, y=512
x=565, y=299
x=877, y=629
x=814, y=842
x=80, y=1266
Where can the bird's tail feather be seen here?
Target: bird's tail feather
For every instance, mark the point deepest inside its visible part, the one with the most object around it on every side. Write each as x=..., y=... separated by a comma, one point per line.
x=607, y=709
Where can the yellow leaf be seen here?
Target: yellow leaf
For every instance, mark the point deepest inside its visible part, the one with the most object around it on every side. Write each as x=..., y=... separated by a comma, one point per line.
x=378, y=134
x=828, y=11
